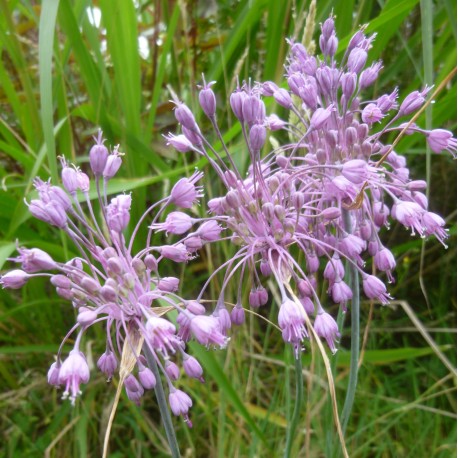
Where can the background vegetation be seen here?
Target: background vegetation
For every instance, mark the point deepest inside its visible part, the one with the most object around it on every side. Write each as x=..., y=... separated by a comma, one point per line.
x=68, y=67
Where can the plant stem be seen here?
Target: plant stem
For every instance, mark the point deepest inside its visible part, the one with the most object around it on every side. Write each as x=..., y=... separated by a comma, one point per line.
x=354, y=354
x=163, y=407
x=297, y=406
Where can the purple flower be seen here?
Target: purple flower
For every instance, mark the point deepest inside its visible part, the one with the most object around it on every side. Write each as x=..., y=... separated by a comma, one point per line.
x=110, y=283
x=107, y=363
x=147, y=378
x=185, y=193
x=179, y=142
x=192, y=367
x=413, y=102
x=180, y=403
x=34, y=260
x=325, y=326
x=162, y=334
x=372, y=113
x=53, y=374
x=177, y=253
x=209, y=231
x=207, y=332
x=172, y=370
x=73, y=372
x=98, y=155
x=356, y=60
x=175, y=223
x=118, y=212
x=291, y=320
x=441, y=140
x=184, y=116
x=14, y=279
x=375, y=289
x=340, y=292
x=113, y=163
x=207, y=99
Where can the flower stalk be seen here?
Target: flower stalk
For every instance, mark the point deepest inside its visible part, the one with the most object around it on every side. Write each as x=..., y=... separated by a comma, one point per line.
x=162, y=403
x=291, y=433
x=355, y=337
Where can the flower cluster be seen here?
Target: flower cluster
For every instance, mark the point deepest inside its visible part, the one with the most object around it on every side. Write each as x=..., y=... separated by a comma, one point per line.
x=317, y=203
x=110, y=285
x=302, y=214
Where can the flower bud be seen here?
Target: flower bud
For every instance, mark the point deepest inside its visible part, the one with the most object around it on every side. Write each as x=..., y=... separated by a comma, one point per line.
x=298, y=200
x=254, y=110
x=238, y=315
x=283, y=98
x=320, y=117
x=56, y=214
x=98, y=156
x=107, y=363
x=193, y=368
x=273, y=122
x=69, y=179
x=147, y=378
x=61, y=281
x=184, y=116
x=86, y=316
x=168, y=284
x=112, y=165
x=108, y=293
x=139, y=266
x=330, y=213
x=177, y=253
x=193, y=244
x=14, y=279
x=369, y=75
x=413, y=102
x=90, y=284
x=356, y=60
x=236, y=101
x=66, y=293
x=257, y=137
x=53, y=374
x=209, y=231
x=59, y=196
x=207, y=100
x=151, y=262
x=172, y=370
x=348, y=83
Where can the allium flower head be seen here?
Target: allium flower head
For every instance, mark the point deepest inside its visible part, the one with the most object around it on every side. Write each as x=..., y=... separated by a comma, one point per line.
x=326, y=193
x=112, y=286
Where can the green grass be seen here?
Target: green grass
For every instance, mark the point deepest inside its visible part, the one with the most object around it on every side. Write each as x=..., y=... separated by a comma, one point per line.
x=406, y=398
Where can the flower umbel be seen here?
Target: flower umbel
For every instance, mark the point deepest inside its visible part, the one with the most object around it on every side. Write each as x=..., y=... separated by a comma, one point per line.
x=325, y=194
x=111, y=286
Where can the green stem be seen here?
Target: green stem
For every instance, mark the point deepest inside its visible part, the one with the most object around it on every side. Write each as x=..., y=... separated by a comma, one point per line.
x=297, y=406
x=163, y=407
x=354, y=352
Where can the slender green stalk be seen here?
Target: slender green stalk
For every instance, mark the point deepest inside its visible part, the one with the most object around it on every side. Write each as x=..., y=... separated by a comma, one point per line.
x=354, y=351
x=163, y=407
x=329, y=412
x=297, y=407
x=427, y=42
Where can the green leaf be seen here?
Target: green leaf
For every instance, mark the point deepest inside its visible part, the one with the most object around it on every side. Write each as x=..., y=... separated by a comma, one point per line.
x=213, y=368
x=45, y=53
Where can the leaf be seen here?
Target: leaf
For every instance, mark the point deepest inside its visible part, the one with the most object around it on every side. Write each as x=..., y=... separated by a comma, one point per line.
x=6, y=250
x=213, y=368
x=45, y=54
